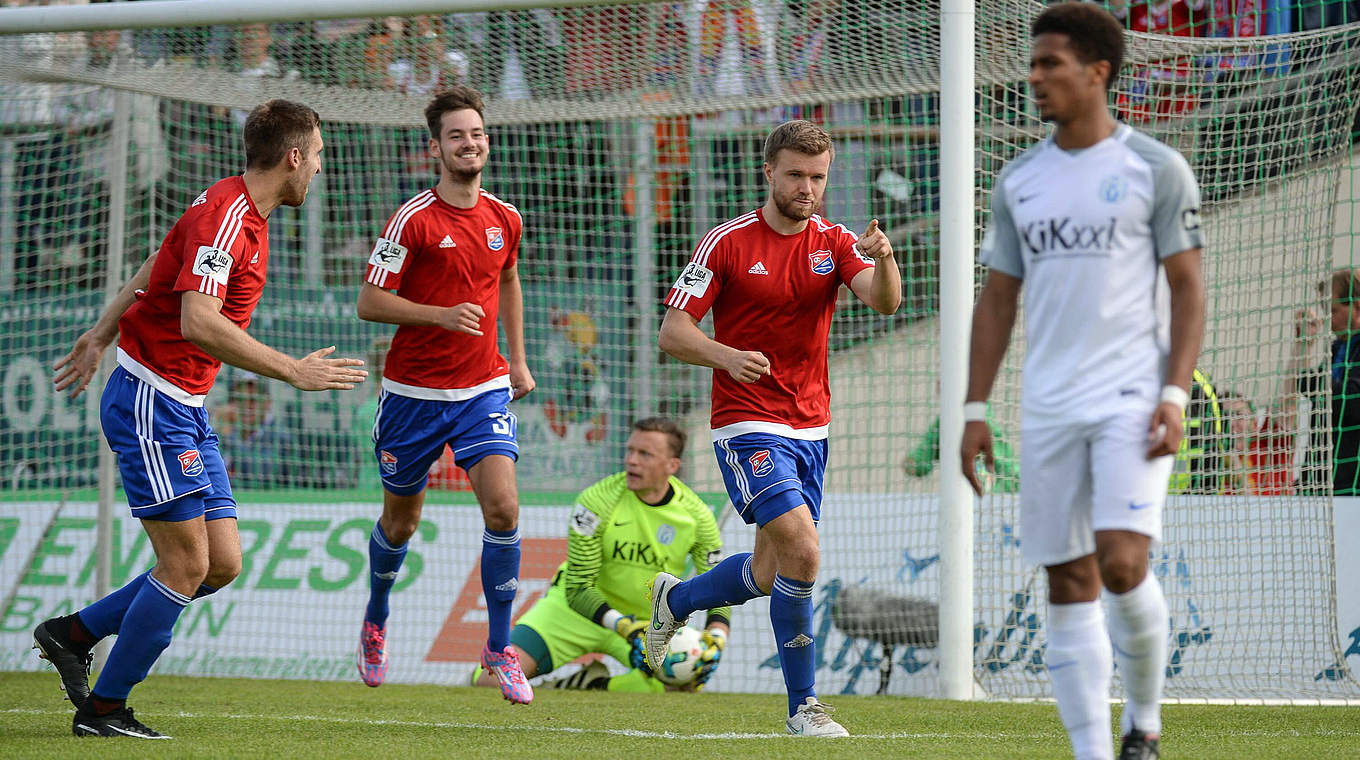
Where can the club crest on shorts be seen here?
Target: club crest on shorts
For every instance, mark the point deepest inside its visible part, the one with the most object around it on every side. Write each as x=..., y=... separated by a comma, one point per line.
x=822, y=262
x=387, y=461
x=760, y=463
x=191, y=463
x=494, y=239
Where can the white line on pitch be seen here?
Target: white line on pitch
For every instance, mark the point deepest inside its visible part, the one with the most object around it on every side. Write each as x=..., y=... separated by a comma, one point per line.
x=636, y=734
x=625, y=732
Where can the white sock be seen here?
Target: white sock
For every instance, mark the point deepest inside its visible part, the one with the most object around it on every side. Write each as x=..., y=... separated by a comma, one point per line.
x=1139, y=629
x=1080, y=666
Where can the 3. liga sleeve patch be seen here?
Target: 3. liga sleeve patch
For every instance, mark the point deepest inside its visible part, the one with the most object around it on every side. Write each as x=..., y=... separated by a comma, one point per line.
x=388, y=255
x=213, y=263
x=694, y=280
x=583, y=521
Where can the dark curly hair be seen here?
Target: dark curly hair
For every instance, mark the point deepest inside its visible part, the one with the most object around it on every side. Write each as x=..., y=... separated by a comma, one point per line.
x=1092, y=33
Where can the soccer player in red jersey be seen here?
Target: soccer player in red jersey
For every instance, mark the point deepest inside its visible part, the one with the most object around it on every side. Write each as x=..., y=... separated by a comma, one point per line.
x=182, y=315
x=771, y=278
x=440, y=271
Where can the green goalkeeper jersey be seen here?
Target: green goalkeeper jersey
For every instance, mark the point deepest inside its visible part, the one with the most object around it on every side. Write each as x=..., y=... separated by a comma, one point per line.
x=617, y=542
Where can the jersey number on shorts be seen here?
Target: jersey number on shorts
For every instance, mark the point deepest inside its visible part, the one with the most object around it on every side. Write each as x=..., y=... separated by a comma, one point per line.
x=502, y=423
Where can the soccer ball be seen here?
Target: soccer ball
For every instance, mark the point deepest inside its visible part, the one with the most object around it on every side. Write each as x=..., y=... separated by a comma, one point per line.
x=687, y=646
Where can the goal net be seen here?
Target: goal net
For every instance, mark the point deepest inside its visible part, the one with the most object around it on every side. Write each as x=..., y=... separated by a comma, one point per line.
x=623, y=133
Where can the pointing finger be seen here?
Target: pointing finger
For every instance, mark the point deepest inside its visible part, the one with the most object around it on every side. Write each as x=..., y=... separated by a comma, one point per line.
x=871, y=229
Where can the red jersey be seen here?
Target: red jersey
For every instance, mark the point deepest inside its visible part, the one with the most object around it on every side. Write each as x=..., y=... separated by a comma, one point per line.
x=220, y=247
x=1179, y=18
x=438, y=254
x=774, y=294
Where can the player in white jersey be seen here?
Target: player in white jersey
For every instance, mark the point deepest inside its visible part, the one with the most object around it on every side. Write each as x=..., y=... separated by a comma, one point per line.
x=1100, y=225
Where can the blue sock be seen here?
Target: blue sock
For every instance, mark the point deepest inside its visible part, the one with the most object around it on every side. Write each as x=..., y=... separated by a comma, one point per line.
x=105, y=617
x=500, y=580
x=384, y=560
x=204, y=590
x=726, y=583
x=791, y=617
x=145, y=633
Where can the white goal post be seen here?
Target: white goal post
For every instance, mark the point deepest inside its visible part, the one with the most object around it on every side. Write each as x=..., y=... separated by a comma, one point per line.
x=623, y=130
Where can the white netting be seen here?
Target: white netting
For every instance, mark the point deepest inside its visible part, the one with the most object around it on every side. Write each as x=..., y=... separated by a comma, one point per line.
x=623, y=133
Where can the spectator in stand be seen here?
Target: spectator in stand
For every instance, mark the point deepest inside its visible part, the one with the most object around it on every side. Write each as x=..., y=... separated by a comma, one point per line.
x=1343, y=374
x=536, y=38
x=258, y=450
x=410, y=55
x=724, y=23
x=1161, y=88
x=1317, y=14
x=1261, y=446
x=337, y=48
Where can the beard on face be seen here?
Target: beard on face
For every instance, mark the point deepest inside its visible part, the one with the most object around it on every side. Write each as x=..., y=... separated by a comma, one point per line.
x=460, y=174
x=789, y=208
x=294, y=192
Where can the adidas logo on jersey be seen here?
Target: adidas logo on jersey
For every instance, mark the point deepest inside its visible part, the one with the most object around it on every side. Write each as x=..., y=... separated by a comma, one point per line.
x=256, y=258
x=758, y=268
x=447, y=242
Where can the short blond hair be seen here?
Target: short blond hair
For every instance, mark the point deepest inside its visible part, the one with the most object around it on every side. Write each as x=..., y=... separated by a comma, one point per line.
x=799, y=135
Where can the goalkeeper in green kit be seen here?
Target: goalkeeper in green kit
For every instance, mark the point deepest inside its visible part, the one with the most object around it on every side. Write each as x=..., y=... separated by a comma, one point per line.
x=624, y=530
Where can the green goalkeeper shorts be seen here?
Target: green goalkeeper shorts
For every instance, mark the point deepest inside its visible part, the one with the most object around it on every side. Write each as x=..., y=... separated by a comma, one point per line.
x=554, y=634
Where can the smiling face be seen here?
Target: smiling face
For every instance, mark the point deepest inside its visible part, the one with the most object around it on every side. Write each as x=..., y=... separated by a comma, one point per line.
x=1064, y=88
x=797, y=183
x=462, y=147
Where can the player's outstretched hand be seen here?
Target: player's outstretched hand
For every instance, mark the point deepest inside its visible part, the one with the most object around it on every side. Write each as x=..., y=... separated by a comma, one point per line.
x=75, y=369
x=874, y=243
x=714, y=643
x=748, y=366
x=1165, y=431
x=977, y=440
x=314, y=372
x=463, y=318
x=522, y=381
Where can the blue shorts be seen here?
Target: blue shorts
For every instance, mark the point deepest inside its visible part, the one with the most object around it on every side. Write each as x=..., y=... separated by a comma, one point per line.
x=409, y=435
x=167, y=453
x=767, y=475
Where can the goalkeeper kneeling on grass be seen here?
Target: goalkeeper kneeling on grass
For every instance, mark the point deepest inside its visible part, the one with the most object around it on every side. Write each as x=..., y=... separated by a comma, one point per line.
x=624, y=530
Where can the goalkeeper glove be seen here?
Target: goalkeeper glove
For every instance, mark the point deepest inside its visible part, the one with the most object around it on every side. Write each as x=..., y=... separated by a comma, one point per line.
x=631, y=629
x=714, y=642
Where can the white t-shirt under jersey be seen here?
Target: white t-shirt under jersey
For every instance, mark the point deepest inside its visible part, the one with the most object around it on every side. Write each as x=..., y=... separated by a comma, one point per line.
x=1087, y=231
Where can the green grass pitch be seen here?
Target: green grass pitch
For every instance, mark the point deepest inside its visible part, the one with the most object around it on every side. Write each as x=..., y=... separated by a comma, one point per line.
x=299, y=719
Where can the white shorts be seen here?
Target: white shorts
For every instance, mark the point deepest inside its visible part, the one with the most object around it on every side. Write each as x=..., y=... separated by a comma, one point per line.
x=1078, y=479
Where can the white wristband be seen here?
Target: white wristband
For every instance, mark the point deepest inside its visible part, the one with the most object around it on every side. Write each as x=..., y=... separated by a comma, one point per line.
x=1174, y=394
x=975, y=411
x=611, y=618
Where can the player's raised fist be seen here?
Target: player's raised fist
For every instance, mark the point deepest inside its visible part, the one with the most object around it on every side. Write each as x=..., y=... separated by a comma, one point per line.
x=748, y=366
x=464, y=318
x=874, y=242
